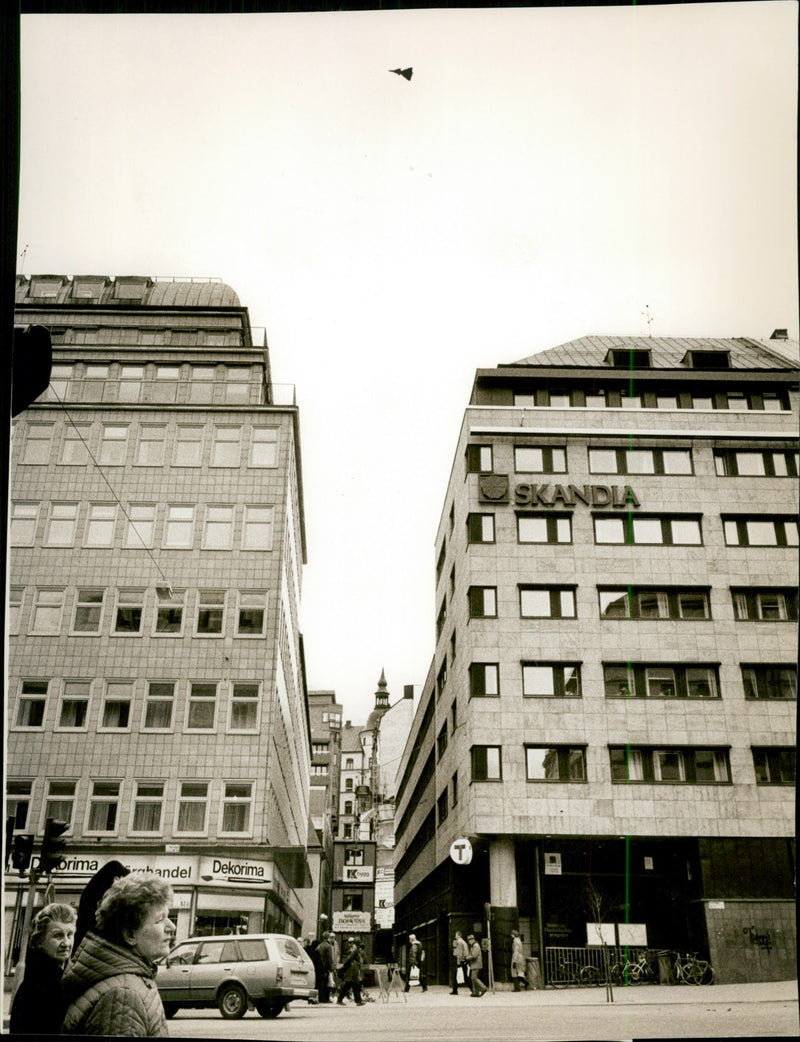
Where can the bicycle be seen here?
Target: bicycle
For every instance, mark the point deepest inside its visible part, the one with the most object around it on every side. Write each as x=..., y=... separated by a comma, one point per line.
x=691, y=970
x=566, y=972
x=636, y=971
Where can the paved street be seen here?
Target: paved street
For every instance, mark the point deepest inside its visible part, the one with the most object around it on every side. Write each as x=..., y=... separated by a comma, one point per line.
x=752, y=1010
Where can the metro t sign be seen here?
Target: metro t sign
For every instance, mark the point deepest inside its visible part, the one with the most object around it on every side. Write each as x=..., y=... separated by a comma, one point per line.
x=461, y=851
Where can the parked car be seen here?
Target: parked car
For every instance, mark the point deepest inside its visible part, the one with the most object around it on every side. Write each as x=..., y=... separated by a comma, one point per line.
x=267, y=970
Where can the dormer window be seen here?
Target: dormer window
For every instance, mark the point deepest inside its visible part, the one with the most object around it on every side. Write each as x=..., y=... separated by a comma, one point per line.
x=629, y=358
x=707, y=359
x=88, y=289
x=129, y=289
x=46, y=289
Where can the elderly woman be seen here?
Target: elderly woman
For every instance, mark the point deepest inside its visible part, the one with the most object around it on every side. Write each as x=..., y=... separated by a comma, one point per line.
x=110, y=982
x=38, y=1007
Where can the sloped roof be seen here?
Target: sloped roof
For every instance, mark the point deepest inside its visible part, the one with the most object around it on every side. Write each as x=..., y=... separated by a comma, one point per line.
x=351, y=743
x=193, y=294
x=666, y=352
x=124, y=290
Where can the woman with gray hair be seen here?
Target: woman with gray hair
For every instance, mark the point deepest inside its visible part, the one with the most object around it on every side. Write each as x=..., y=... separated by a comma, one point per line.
x=110, y=982
x=38, y=1007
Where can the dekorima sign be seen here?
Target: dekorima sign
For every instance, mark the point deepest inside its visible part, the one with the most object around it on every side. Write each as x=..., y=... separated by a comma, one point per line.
x=234, y=870
x=357, y=874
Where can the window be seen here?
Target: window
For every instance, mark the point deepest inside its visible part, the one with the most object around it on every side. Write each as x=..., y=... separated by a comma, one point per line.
x=547, y=602
x=61, y=525
x=318, y=770
x=441, y=806
x=60, y=377
x=159, y=706
x=629, y=358
x=37, y=444
x=707, y=359
x=244, y=708
x=482, y=602
x=348, y=806
x=644, y=602
x=218, y=530
x=441, y=618
x=169, y=612
x=210, y=613
x=237, y=803
x=152, y=443
x=201, y=383
x=140, y=525
x=88, y=611
x=669, y=765
x=352, y=902
x=192, y=807
x=60, y=800
x=130, y=605
x=257, y=529
x=113, y=445
x=72, y=715
x=179, y=529
x=75, y=446
x=629, y=400
x=15, y=597
x=18, y=802
x=188, y=447
x=544, y=528
x=47, y=608
x=775, y=766
x=441, y=559
x=555, y=763
x=130, y=382
x=551, y=680
x=226, y=447
x=201, y=711
x=319, y=748
x=479, y=459
x=732, y=463
x=480, y=528
x=148, y=806
x=484, y=679
x=659, y=680
x=441, y=677
x=116, y=711
x=32, y=702
x=545, y=460
x=770, y=682
x=640, y=461
x=354, y=855
x=264, y=447
x=165, y=386
x=237, y=385
x=252, y=614
x=100, y=525
x=454, y=787
x=629, y=529
x=348, y=784
x=768, y=605
x=744, y=531
x=486, y=763
x=103, y=806
x=441, y=742
x=22, y=527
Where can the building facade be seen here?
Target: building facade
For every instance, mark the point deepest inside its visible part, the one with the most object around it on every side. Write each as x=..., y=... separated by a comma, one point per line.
x=156, y=688
x=326, y=740
x=611, y=705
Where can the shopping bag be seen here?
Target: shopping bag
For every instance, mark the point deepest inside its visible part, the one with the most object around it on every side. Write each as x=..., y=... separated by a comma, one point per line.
x=460, y=976
x=413, y=976
x=331, y=979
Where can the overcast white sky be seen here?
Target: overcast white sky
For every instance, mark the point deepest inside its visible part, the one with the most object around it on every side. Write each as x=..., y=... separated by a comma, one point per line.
x=545, y=174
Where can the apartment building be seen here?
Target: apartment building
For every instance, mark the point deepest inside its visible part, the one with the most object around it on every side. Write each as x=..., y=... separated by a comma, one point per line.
x=612, y=701
x=156, y=695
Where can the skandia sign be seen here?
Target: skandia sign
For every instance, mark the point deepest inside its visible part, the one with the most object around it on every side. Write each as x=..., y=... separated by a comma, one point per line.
x=494, y=488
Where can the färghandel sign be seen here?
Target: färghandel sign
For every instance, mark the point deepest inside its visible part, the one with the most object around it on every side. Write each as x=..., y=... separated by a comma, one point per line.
x=494, y=488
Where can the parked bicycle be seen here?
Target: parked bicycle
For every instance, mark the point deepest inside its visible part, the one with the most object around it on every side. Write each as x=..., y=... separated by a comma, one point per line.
x=569, y=972
x=689, y=969
x=634, y=971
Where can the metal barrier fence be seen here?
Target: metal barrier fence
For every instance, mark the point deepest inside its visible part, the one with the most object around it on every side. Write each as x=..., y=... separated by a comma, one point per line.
x=575, y=966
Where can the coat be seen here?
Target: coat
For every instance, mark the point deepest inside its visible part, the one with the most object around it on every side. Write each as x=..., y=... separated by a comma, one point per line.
x=38, y=1007
x=111, y=991
x=325, y=953
x=475, y=957
x=460, y=950
x=351, y=967
x=517, y=958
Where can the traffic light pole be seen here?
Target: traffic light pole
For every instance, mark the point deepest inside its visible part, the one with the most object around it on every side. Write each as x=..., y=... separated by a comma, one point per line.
x=19, y=971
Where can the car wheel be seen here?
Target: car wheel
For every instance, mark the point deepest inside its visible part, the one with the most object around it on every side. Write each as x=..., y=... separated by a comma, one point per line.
x=232, y=1002
x=269, y=1009
x=170, y=1009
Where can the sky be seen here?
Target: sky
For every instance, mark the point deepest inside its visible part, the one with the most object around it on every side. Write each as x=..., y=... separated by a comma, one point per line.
x=545, y=174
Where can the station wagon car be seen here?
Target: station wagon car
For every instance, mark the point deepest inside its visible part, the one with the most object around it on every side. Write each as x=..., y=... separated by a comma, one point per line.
x=265, y=970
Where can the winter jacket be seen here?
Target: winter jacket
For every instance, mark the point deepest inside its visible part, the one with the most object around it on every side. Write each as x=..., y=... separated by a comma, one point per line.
x=460, y=950
x=38, y=1007
x=475, y=957
x=351, y=967
x=326, y=956
x=517, y=958
x=111, y=991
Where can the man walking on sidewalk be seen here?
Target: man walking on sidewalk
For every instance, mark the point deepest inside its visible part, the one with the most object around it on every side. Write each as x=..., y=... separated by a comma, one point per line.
x=460, y=956
x=475, y=959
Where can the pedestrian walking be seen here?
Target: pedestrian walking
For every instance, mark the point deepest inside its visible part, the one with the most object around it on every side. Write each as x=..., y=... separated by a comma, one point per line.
x=475, y=959
x=326, y=979
x=110, y=981
x=38, y=1007
x=416, y=961
x=336, y=956
x=460, y=963
x=352, y=974
x=311, y=947
x=517, y=962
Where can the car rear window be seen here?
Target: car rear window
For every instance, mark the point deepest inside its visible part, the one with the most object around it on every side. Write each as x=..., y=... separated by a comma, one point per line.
x=286, y=946
x=252, y=950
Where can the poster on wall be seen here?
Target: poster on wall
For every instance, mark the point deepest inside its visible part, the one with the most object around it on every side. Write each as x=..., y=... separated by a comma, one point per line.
x=633, y=935
x=600, y=933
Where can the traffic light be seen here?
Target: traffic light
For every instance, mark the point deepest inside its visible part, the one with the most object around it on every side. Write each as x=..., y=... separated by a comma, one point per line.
x=21, y=852
x=9, y=846
x=53, y=845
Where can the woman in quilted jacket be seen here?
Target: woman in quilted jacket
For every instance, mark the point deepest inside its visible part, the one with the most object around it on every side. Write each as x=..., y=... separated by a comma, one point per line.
x=110, y=981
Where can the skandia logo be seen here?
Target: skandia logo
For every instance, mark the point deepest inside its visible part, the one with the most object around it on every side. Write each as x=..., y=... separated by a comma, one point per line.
x=237, y=868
